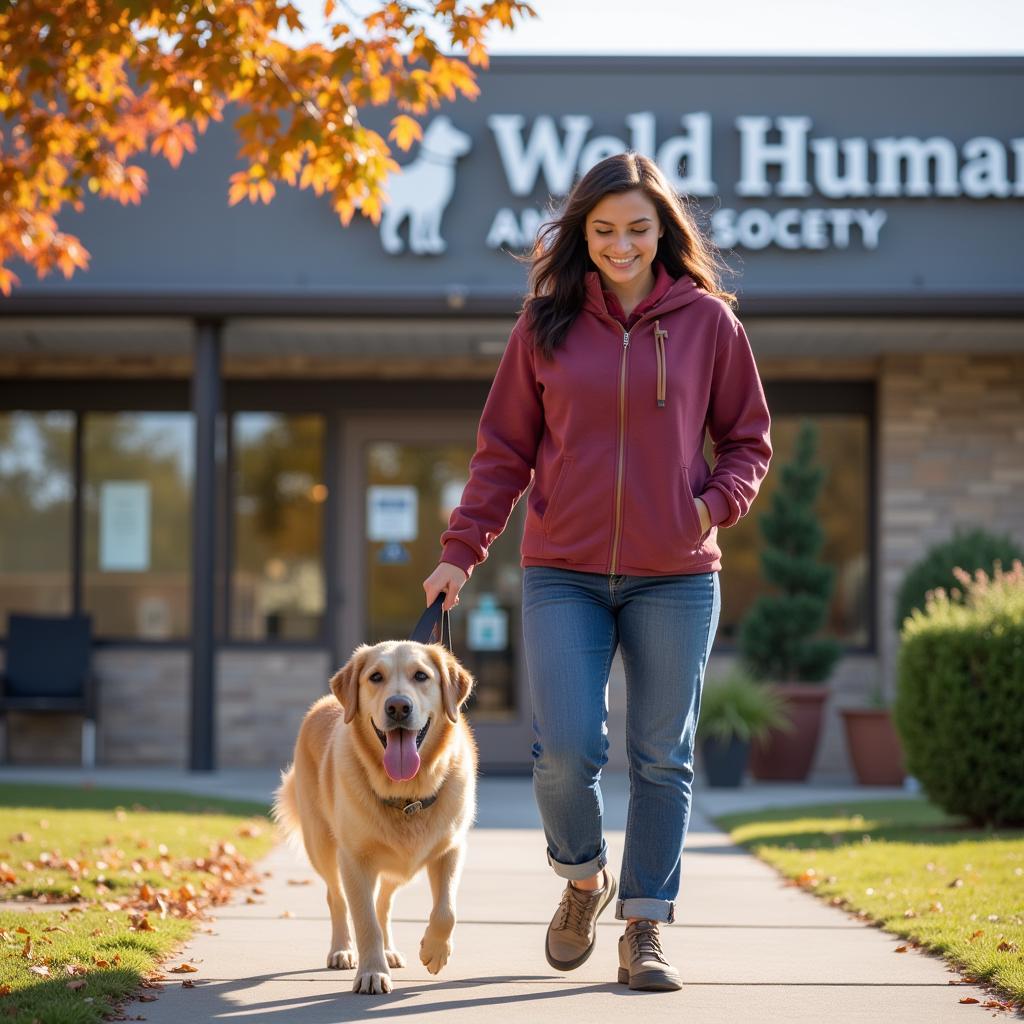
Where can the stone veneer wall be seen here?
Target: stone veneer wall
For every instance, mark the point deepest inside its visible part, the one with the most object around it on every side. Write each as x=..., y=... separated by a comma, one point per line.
x=951, y=453
x=144, y=709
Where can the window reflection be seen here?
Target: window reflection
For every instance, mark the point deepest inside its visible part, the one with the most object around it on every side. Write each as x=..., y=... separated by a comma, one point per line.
x=279, y=500
x=404, y=526
x=138, y=471
x=36, y=483
x=843, y=449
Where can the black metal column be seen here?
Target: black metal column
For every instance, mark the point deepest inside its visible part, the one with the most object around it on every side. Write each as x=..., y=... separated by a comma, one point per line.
x=206, y=402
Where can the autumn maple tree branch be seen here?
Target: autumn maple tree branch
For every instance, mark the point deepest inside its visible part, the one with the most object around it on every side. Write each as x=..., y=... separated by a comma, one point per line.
x=86, y=85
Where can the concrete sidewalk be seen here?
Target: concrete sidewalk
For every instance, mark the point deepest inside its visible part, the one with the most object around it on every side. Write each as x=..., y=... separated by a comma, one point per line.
x=748, y=946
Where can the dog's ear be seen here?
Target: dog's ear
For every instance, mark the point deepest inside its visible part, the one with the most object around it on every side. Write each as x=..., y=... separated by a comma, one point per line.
x=456, y=682
x=345, y=682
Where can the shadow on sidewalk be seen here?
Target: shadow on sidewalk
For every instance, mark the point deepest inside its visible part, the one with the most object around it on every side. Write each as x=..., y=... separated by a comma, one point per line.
x=342, y=1004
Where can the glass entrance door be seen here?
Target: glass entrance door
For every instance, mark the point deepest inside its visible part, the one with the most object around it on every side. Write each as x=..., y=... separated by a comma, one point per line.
x=403, y=481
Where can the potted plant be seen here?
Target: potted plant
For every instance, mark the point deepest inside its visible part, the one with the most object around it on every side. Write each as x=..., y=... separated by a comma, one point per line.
x=778, y=637
x=873, y=743
x=735, y=711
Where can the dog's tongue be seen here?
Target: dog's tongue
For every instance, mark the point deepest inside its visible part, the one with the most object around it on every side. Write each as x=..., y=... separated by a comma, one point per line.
x=401, y=758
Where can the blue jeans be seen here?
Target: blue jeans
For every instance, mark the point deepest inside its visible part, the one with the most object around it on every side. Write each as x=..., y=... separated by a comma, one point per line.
x=572, y=624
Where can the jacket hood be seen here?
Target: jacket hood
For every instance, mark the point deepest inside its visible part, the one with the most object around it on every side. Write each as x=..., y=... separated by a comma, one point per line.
x=682, y=292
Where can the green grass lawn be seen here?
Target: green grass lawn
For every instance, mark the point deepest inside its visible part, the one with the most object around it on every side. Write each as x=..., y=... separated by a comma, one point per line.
x=120, y=879
x=905, y=865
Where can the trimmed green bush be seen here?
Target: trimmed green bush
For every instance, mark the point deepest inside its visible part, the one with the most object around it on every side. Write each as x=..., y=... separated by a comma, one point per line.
x=959, y=705
x=966, y=549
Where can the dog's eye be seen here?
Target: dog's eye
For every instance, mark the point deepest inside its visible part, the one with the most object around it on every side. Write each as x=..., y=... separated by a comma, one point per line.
x=376, y=677
x=420, y=676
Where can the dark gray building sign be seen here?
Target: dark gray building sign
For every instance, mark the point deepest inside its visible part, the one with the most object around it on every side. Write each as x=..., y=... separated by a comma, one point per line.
x=816, y=177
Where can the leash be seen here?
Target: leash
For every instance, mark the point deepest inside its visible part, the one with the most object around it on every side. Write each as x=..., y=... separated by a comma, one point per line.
x=433, y=622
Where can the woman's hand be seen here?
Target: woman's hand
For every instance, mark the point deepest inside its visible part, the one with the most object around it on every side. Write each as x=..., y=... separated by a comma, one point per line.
x=703, y=514
x=446, y=577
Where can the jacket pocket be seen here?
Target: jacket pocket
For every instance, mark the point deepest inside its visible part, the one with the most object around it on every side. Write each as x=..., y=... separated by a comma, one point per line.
x=551, y=510
x=661, y=528
x=695, y=532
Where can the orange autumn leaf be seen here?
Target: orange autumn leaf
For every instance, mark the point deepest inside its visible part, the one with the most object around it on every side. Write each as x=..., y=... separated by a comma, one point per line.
x=184, y=969
x=405, y=131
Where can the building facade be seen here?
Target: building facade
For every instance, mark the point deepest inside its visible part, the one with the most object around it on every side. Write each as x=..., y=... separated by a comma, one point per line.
x=236, y=439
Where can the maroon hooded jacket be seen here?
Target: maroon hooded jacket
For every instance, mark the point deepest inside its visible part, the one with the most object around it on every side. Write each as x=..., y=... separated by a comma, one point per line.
x=611, y=432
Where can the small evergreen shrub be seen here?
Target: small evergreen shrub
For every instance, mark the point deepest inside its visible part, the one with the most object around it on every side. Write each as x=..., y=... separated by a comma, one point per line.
x=959, y=705
x=967, y=550
x=779, y=637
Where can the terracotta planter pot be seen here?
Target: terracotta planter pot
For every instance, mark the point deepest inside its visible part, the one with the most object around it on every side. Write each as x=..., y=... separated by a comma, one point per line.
x=874, y=746
x=787, y=757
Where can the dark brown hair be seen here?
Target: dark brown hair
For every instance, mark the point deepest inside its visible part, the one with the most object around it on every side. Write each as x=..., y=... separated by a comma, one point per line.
x=560, y=259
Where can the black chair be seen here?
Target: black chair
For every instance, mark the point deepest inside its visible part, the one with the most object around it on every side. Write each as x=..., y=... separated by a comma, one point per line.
x=48, y=670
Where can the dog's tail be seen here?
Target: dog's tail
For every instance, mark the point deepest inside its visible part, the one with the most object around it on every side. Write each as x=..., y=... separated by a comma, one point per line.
x=284, y=811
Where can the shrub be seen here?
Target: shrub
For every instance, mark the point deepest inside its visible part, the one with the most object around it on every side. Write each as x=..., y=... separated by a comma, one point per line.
x=968, y=550
x=778, y=638
x=737, y=706
x=959, y=704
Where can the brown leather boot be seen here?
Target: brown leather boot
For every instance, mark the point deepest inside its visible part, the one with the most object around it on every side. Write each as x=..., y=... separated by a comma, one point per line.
x=642, y=962
x=572, y=932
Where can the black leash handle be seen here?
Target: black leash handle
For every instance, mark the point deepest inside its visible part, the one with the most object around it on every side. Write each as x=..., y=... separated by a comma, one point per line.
x=433, y=623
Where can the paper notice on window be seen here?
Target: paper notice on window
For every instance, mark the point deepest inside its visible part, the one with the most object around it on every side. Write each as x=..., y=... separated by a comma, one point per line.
x=124, y=526
x=391, y=513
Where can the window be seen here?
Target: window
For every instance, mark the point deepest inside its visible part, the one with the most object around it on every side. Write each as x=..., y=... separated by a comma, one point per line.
x=36, y=510
x=843, y=507
x=137, y=480
x=279, y=501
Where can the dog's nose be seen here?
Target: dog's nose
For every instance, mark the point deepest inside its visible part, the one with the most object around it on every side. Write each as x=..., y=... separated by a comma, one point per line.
x=398, y=708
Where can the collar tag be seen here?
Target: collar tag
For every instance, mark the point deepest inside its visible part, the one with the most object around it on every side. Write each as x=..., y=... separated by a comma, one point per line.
x=416, y=805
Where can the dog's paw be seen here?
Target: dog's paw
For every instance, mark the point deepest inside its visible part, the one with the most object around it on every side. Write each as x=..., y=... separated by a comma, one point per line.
x=341, y=959
x=395, y=959
x=434, y=953
x=372, y=983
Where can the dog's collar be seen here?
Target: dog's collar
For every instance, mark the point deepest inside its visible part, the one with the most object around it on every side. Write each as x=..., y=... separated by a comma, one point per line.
x=408, y=806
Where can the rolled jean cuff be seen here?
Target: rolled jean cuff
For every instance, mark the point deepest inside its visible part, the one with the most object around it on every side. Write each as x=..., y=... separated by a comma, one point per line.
x=577, y=872
x=651, y=910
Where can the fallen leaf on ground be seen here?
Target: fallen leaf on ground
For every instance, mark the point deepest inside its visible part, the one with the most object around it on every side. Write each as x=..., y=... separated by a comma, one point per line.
x=184, y=969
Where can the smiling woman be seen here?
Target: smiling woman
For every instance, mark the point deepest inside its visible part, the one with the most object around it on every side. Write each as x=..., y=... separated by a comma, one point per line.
x=622, y=232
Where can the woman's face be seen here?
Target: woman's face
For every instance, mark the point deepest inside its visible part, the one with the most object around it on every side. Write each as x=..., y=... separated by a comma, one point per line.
x=622, y=236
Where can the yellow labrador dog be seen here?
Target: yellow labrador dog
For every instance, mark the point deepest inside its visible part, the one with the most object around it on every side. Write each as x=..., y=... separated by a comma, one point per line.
x=383, y=784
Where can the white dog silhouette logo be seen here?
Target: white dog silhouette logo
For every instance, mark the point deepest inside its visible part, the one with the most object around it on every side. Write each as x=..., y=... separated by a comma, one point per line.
x=422, y=189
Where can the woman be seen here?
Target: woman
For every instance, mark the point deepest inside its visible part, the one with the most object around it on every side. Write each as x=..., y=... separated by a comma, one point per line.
x=625, y=352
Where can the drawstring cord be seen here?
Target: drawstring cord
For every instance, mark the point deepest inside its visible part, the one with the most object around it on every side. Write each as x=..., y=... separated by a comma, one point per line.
x=660, y=337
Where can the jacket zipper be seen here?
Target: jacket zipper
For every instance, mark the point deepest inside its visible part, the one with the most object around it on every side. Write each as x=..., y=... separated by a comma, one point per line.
x=620, y=462
x=620, y=467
